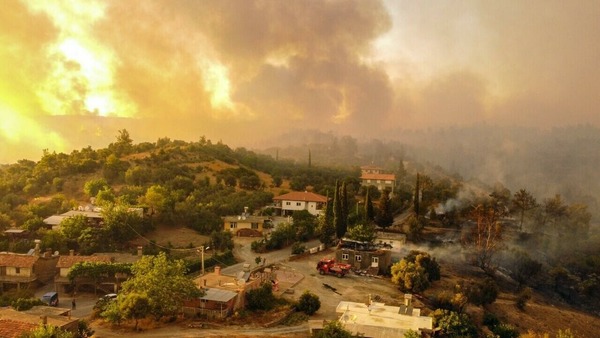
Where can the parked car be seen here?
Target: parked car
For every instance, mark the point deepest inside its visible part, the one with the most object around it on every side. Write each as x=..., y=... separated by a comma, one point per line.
x=108, y=296
x=50, y=298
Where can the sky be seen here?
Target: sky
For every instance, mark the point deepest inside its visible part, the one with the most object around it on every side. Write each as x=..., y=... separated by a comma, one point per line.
x=74, y=73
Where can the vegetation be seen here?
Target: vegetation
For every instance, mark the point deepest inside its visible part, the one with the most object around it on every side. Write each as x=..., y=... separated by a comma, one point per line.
x=308, y=303
x=453, y=324
x=161, y=281
x=415, y=272
x=333, y=329
x=261, y=299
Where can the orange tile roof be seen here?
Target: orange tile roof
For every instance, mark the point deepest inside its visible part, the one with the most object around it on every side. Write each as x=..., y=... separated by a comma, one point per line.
x=386, y=177
x=17, y=260
x=13, y=328
x=302, y=196
x=69, y=261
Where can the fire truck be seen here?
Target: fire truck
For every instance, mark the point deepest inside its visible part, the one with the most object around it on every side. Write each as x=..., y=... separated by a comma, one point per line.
x=330, y=267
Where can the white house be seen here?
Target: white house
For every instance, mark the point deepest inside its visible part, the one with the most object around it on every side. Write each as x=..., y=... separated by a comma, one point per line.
x=297, y=200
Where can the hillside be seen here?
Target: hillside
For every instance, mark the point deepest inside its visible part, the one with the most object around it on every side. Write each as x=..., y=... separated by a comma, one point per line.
x=187, y=187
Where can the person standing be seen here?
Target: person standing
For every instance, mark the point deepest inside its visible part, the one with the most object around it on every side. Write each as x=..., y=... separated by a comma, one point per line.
x=73, y=304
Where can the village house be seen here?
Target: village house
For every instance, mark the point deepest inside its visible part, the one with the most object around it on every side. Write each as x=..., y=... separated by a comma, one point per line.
x=286, y=204
x=28, y=271
x=245, y=225
x=375, y=176
x=224, y=294
x=375, y=319
x=363, y=256
x=63, y=267
x=15, y=323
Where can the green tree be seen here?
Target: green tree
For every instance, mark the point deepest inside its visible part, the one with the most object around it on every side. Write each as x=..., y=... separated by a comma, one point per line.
x=523, y=201
x=340, y=229
x=308, y=303
x=369, y=210
x=333, y=329
x=261, y=298
x=326, y=227
x=92, y=187
x=72, y=227
x=164, y=282
x=344, y=205
x=135, y=306
x=48, y=331
x=361, y=232
x=385, y=217
x=453, y=324
x=412, y=334
x=409, y=276
x=304, y=224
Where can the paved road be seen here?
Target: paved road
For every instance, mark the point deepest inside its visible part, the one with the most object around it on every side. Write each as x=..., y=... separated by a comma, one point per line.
x=244, y=253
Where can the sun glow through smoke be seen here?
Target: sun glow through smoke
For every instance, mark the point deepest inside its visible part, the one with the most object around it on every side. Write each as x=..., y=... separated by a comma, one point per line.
x=81, y=78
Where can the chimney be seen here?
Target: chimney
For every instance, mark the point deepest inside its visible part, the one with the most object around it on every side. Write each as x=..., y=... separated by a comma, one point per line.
x=48, y=252
x=408, y=299
x=245, y=211
x=217, y=270
x=139, y=251
x=37, y=247
x=71, y=252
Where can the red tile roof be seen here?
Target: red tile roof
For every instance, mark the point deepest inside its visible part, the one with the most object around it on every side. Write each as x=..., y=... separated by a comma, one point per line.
x=13, y=328
x=385, y=177
x=69, y=261
x=17, y=260
x=302, y=196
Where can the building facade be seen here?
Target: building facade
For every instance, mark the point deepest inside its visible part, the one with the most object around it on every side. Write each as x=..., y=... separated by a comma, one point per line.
x=294, y=201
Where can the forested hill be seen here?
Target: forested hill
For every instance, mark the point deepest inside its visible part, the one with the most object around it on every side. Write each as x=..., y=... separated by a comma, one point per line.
x=188, y=183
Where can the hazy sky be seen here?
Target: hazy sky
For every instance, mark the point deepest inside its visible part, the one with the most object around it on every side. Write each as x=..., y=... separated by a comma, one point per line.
x=75, y=72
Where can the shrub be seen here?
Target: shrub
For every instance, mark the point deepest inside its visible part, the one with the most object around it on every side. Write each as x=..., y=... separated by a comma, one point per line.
x=298, y=248
x=505, y=331
x=261, y=298
x=333, y=329
x=482, y=293
x=308, y=303
x=522, y=298
x=23, y=304
x=454, y=324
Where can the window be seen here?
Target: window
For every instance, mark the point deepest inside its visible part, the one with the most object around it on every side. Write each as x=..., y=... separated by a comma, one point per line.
x=345, y=256
x=298, y=204
x=233, y=225
x=254, y=225
x=17, y=270
x=288, y=203
x=375, y=260
x=358, y=258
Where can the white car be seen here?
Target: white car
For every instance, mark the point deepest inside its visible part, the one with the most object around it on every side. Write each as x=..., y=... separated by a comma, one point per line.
x=109, y=296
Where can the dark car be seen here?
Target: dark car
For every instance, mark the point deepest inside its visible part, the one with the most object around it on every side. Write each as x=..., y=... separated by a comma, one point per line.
x=50, y=298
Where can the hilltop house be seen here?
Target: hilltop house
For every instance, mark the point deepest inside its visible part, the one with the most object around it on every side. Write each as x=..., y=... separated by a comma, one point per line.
x=371, y=175
x=286, y=204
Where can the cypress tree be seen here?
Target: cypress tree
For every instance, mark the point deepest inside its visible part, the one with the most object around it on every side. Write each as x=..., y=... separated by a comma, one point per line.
x=337, y=212
x=345, y=207
x=369, y=212
x=416, y=197
x=327, y=228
